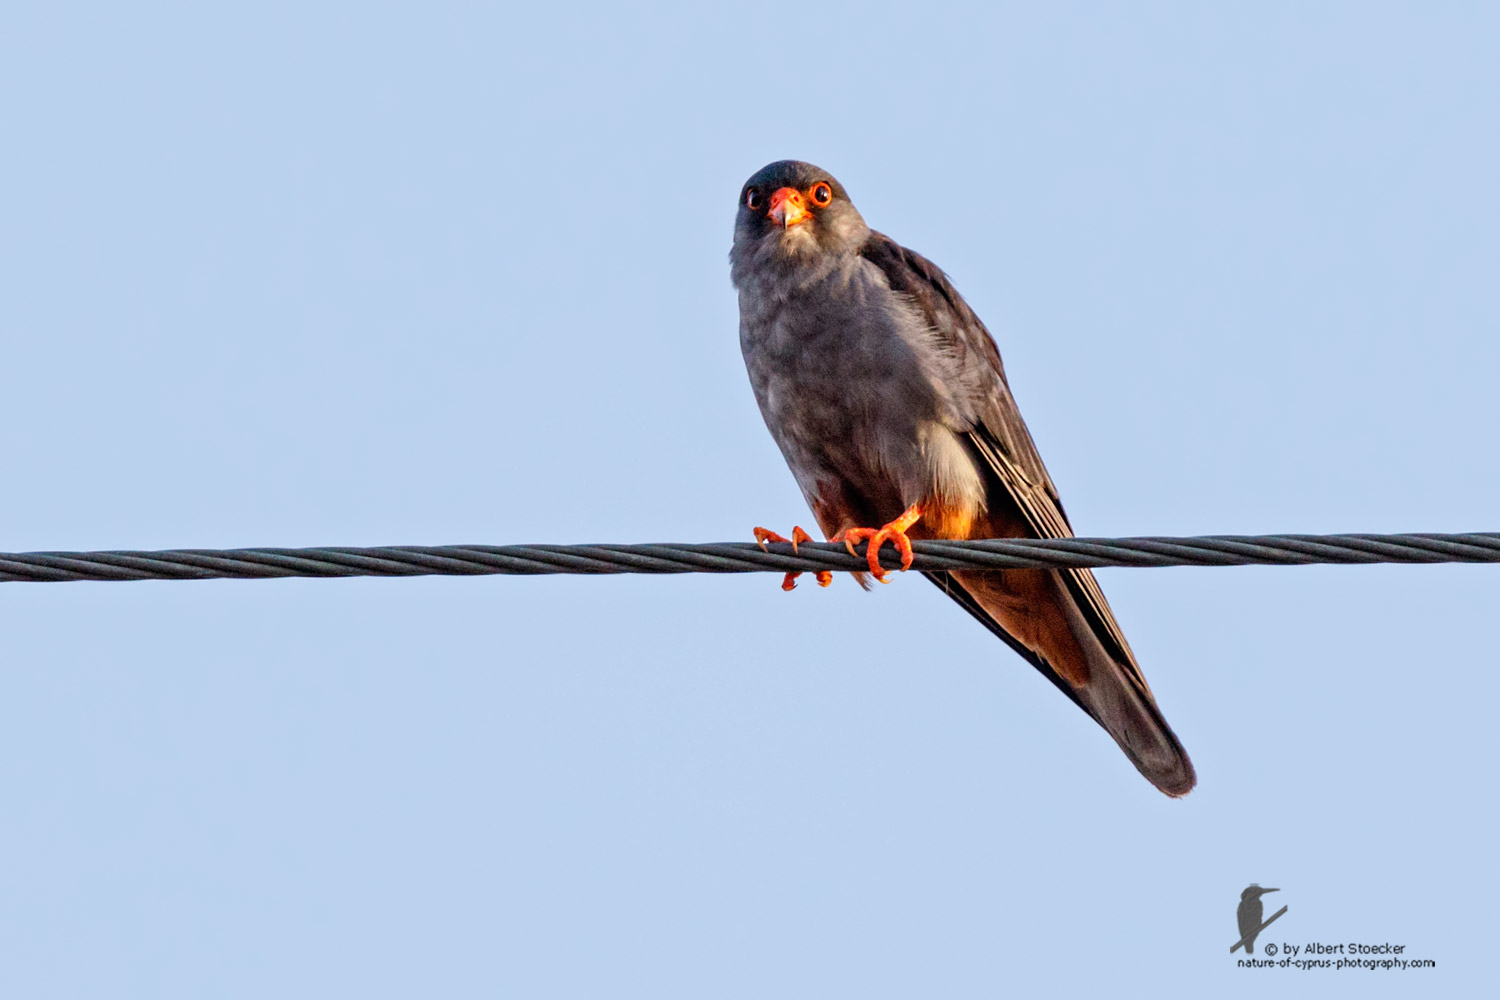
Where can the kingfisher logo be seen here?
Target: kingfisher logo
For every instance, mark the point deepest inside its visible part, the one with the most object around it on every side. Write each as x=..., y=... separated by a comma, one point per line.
x=1249, y=914
x=1279, y=953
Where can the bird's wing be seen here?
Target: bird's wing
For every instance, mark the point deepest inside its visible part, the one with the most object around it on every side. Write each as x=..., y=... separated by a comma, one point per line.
x=1248, y=916
x=997, y=435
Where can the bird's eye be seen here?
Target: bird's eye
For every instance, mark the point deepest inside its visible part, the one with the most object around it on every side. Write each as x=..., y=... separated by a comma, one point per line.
x=753, y=201
x=822, y=194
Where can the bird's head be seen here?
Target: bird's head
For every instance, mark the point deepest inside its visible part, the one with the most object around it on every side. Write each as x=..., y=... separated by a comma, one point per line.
x=793, y=215
x=1255, y=892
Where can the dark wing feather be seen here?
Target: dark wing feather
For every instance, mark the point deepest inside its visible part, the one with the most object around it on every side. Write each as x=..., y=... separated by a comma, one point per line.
x=998, y=437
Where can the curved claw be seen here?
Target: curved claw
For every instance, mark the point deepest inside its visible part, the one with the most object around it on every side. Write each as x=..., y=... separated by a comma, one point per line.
x=893, y=532
x=789, y=582
x=852, y=537
x=764, y=535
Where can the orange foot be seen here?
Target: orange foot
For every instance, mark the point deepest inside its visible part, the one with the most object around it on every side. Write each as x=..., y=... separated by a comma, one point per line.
x=894, y=532
x=789, y=582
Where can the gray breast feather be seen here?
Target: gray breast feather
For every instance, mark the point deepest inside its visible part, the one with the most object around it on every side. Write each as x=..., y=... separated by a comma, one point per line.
x=855, y=387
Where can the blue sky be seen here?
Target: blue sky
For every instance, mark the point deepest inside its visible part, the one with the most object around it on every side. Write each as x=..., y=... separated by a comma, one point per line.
x=301, y=274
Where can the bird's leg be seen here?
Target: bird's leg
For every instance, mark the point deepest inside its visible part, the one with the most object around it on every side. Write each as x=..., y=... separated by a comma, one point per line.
x=894, y=532
x=789, y=582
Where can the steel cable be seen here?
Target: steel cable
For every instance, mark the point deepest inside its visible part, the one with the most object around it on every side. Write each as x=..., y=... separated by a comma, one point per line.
x=744, y=557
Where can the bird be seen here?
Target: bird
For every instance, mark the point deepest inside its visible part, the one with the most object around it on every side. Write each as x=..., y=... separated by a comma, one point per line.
x=889, y=401
x=1249, y=914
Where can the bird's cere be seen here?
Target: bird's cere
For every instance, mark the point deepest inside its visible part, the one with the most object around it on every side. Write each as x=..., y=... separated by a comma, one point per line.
x=788, y=208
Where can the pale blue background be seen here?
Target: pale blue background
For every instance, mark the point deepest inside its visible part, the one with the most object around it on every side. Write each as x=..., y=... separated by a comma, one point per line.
x=359, y=274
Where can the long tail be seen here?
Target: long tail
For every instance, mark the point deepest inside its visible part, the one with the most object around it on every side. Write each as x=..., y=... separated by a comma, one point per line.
x=1039, y=614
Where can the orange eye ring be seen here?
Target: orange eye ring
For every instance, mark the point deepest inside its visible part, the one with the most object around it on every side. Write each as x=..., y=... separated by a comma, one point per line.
x=822, y=195
x=753, y=200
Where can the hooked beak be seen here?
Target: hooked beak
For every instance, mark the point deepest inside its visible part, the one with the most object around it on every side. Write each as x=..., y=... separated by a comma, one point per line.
x=787, y=208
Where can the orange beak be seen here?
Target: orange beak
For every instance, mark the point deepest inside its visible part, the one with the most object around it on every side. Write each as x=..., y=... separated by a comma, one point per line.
x=787, y=208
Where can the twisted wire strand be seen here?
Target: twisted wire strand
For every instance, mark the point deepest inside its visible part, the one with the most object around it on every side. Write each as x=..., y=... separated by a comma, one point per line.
x=744, y=557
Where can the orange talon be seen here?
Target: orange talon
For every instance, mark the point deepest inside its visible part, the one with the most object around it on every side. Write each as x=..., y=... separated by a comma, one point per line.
x=852, y=537
x=789, y=582
x=764, y=535
x=894, y=532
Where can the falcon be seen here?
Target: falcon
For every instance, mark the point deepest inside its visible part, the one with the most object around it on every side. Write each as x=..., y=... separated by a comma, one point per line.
x=888, y=399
